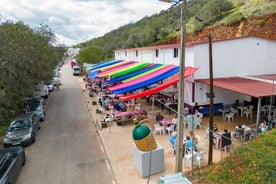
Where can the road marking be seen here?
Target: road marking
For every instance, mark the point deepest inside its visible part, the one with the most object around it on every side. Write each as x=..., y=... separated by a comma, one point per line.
x=107, y=164
x=102, y=148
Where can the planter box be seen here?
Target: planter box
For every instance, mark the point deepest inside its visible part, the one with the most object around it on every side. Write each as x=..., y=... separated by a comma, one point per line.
x=104, y=124
x=142, y=159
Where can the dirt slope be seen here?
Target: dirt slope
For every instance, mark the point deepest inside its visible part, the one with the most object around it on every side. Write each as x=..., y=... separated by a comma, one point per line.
x=264, y=26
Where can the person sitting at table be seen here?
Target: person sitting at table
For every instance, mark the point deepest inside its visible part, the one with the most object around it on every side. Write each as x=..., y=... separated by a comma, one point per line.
x=174, y=120
x=239, y=132
x=172, y=138
x=189, y=143
x=225, y=139
x=215, y=128
x=268, y=122
x=192, y=136
x=159, y=117
x=263, y=127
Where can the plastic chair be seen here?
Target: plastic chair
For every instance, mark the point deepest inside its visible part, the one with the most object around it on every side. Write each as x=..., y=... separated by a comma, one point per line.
x=200, y=157
x=171, y=147
x=248, y=113
x=198, y=122
x=170, y=129
x=159, y=128
x=234, y=111
x=229, y=116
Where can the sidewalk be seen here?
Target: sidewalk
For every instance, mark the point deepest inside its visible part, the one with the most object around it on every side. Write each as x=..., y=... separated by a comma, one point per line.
x=118, y=142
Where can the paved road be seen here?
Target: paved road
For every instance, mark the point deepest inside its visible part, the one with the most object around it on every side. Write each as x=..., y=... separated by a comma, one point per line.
x=67, y=149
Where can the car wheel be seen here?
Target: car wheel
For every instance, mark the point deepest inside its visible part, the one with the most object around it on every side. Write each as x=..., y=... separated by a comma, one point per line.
x=33, y=139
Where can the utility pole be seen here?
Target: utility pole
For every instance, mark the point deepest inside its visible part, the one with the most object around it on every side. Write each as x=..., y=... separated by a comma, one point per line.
x=180, y=108
x=211, y=114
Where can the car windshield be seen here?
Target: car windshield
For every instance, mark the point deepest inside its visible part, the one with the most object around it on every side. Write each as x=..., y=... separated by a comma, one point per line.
x=33, y=107
x=20, y=125
x=48, y=83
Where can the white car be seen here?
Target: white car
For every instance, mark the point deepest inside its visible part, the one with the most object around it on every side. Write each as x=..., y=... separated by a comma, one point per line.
x=50, y=85
x=56, y=81
x=41, y=90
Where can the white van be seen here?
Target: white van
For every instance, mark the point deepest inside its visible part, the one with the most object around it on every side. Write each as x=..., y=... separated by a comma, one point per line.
x=76, y=70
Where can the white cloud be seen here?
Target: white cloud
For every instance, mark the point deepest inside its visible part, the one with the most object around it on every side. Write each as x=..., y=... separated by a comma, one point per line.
x=75, y=21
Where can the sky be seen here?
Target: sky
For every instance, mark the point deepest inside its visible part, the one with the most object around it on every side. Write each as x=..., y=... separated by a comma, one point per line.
x=76, y=21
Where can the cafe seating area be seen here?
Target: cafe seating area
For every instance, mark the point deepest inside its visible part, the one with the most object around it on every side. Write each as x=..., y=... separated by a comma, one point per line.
x=121, y=114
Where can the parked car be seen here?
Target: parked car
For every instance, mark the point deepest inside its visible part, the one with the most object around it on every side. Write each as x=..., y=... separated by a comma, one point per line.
x=50, y=85
x=22, y=130
x=11, y=162
x=37, y=108
x=31, y=100
x=41, y=90
x=56, y=81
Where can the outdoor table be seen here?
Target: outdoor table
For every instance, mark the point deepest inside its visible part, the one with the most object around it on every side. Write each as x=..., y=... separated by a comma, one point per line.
x=242, y=108
x=223, y=111
x=129, y=113
x=165, y=122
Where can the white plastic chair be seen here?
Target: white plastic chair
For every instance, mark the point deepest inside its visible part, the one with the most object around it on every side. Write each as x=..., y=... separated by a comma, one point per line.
x=138, y=106
x=198, y=122
x=200, y=157
x=190, y=157
x=229, y=116
x=170, y=129
x=171, y=147
x=159, y=128
x=248, y=113
x=234, y=111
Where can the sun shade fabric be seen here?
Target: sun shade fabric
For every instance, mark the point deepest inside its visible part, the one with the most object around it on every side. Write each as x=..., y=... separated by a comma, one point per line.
x=143, y=78
x=128, y=70
x=145, y=73
x=114, y=69
x=101, y=65
x=118, y=79
x=170, y=82
x=147, y=82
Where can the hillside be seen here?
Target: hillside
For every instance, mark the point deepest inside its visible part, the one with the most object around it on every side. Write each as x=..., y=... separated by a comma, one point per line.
x=223, y=18
x=254, y=162
x=263, y=26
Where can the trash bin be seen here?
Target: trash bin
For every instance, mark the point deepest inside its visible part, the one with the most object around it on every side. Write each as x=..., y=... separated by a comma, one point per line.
x=176, y=178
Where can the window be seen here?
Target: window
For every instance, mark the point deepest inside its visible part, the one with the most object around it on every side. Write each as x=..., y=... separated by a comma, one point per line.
x=125, y=53
x=136, y=53
x=156, y=53
x=175, y=52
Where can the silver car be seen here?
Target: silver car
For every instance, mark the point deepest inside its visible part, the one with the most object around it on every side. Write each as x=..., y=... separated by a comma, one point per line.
x=22, y=130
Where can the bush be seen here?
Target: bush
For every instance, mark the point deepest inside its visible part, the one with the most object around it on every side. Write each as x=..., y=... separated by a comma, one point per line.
x=233, y=19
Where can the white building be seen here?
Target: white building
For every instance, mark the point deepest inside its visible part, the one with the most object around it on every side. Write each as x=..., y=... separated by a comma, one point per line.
x=73, y=52
x=238, y=60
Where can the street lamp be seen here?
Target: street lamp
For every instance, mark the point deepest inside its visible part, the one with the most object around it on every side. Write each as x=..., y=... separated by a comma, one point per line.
x=180, y=109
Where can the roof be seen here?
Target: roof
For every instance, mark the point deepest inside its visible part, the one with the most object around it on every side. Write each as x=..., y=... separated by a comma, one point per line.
x=250, y=87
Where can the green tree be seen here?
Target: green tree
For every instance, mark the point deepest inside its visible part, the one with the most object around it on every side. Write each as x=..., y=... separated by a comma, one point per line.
x=90, y=55
x=27, y=57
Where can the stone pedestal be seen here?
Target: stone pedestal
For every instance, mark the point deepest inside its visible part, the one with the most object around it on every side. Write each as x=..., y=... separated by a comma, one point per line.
x=142, y=160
